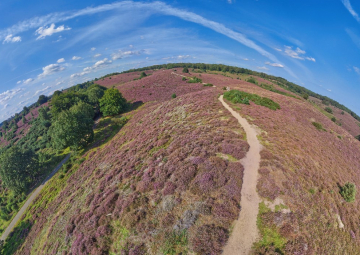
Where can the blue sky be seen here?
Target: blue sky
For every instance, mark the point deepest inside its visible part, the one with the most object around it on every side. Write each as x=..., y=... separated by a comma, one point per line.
x=50, y=46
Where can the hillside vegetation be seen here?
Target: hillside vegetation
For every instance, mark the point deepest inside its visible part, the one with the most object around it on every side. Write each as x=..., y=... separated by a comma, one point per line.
x=162, y=174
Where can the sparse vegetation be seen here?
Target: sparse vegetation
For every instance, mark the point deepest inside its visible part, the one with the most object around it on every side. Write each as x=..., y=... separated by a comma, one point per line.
x=236, y=96
x=208, y=85
x=173, y=95
x=329, y=110
x=194, y=80
x=318, y=126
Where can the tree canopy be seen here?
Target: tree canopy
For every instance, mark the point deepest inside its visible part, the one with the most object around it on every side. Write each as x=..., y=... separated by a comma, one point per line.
x=112, y=102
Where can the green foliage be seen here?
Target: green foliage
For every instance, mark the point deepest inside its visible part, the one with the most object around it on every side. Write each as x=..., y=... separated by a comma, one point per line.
x=183, y=78
x=252, y=80
x=18, y=168
x=176, y=243
x=73, y=128
x=357, y=137
x=65, y=101
x=236, y=96
x=112, y=102
x=95, y=93
x=173, y=95
x=194, y=80
x=185, y=70
x=333, y=119
x=272, y=89
x=348, y=192
x=328, y=109
x=42, y=100
x=305, y=96
x=342, y=113
x=270, y=236
x=208, y=85
x=318, y=126
x=142, y=75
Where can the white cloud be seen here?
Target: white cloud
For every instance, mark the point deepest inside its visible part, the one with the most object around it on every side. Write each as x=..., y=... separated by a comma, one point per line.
x=48, y=31
x=97, y=55
x=60, y=60
x=76, y=58
x=263, y=68
x=10, y=39
x=41, y=90
x=274, y=64
x=246, y=59
x=9, y=94
x=277, y=49
x=121, y=54
x=357, y=70
x=97, y=65
x=50, y=69
x=348, y=6
x=297, y=53
x=93, y=48
x=19, y=82
x=28, y=81
x=180, y=57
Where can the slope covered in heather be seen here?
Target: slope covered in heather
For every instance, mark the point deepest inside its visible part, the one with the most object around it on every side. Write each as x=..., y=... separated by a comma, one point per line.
x=169, y=181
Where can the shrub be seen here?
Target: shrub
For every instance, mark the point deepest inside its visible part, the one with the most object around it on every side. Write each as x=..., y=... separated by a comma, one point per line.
x=252, y=80
x=318, y=126
x=173, y=95
x=224, y=88
x=112, y=102
x=194, y=80
x=328, y=109
x=236, y=96
x=183, y=78
x=185, y=70
x=357, y=137
x=208, y=85
x=305, y=96
x=333, y=119
x=142, y=75
x=342, y=112
x=348, y=192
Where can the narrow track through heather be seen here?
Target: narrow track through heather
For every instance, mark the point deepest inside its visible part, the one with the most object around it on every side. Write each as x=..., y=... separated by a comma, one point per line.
x=245, y=231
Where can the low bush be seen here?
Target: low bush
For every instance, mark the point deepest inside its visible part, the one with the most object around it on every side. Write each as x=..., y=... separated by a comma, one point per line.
x=236, y=96
x=173, y=95
x=333, y=119
x=328, y=109
x=348, y=192
x=318, y=126
x=194, y=80
x=183, y=78
x=208, y=85
x=252, y=80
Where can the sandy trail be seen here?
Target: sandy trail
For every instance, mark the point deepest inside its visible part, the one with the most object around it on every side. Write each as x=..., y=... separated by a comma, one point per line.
x=245, y=231
x=31, y=199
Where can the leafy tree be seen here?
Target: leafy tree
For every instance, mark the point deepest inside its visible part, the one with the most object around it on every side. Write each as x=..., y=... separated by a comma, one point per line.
x=142, y=75
x=23, y=119
x=73, y=128
x=95, y=93
x=65, y=101
x=56, y=93
x=348, y=192
x=185, y=70
x=328, y=109
x=305, y=96
x=112, y=102
x=42, y=99
x=43, y=114
x=18, y=169
x=26, y=110
x=83, y=108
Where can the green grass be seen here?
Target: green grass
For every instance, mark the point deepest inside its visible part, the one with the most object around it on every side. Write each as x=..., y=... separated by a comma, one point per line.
x=120, y=234
x=194, y=80
x=236, y=96
x=208, y=85
x=272, y=89
x=176, y=243
x=270, y=236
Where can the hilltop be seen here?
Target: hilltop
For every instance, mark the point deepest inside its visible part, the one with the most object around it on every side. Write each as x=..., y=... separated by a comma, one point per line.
x=168, y=180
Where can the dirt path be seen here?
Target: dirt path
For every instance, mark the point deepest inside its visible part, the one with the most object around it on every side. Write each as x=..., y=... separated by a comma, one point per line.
x=245, y=231
x=31, y=199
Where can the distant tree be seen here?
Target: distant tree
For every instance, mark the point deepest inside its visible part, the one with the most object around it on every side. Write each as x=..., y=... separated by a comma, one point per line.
x=112, y=102
x=305, y=96
x=43, y=114
x=333, y=119
x=26, y=110
x=56, y=93
x=73, y=128
x=95, y=93
x=18, y=169
x=42, y=99
x=328, y=109
x=23, y=120
x=65, y=101
x=185, y=70
x=142, y=75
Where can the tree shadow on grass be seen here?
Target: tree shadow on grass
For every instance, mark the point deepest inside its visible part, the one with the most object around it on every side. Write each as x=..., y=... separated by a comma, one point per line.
x=16, y=238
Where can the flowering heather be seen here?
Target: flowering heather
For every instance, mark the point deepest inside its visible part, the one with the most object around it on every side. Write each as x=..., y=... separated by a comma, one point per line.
x=158, y=177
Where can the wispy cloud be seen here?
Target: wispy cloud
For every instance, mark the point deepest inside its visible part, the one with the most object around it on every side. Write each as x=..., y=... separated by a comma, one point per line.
x=97, y=65
x=297, y=53
x=9, y=94
x=75, y=58
x=50, y=69
x=61, y=60
x=354, y=37
x=263, y=68
x=11, y=39
x=27, y=81
x=122, y=54
x=356, y=69
x=97, y=55
x=348, y=6
x=48, y=31
x=274, y=64
x=93, y=48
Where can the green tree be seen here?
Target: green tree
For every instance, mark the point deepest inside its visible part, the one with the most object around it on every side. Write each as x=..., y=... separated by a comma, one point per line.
x=112, y=102
x=65, y=101
x=18, y=169
x=42, y=100
x=73, y=128
x=23, y=120
x=348, y=192
x=185, y=70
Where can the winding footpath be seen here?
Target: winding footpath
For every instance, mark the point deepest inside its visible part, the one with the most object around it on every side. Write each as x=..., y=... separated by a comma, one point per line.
x=31, y=199
x=245, y=231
